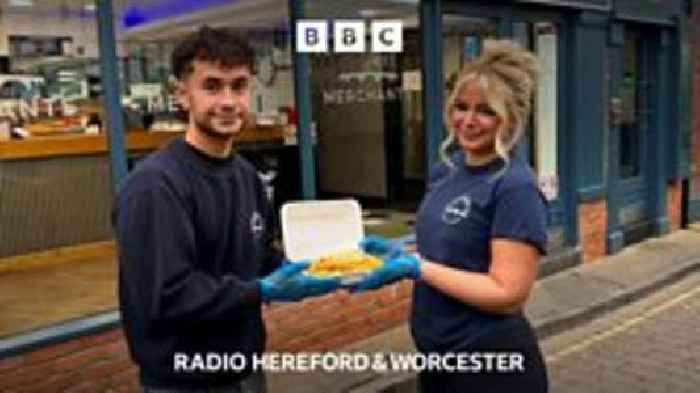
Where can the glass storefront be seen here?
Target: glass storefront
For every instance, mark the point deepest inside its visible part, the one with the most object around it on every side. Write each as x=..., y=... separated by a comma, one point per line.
x=367, y=115
x=367, y=121
x=269, y=137
x=49, y=80
x=56, y=256
x=51, y=100
x=370, y=101
x=148, y=80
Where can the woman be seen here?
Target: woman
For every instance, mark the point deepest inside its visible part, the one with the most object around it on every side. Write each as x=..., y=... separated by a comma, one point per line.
x=481, y=229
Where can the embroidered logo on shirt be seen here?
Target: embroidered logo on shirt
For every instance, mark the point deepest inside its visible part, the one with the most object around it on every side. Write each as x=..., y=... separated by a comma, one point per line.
x=257, y=226
x=457, y=210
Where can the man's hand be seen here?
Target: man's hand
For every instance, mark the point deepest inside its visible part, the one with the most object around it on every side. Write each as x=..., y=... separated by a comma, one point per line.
x=289, y=283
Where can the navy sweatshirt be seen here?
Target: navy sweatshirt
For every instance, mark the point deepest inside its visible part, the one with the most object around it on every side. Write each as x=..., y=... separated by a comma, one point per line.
x=194, y=233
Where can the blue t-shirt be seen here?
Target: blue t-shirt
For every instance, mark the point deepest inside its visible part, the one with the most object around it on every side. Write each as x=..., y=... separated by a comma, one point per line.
x=463, y=209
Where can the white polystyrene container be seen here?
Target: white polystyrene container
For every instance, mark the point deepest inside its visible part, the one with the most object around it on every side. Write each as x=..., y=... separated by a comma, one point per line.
x=311, y=229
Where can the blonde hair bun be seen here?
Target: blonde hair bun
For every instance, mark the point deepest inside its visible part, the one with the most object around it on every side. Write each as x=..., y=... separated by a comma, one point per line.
x=515, y=66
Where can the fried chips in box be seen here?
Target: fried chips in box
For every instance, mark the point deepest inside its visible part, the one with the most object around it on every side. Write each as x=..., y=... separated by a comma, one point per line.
x=327, y=233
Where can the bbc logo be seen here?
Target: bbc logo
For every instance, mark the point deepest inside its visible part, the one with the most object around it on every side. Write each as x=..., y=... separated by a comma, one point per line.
x=349, y=36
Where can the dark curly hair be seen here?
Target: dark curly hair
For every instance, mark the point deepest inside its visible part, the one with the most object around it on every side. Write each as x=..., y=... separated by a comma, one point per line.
x=218, y=45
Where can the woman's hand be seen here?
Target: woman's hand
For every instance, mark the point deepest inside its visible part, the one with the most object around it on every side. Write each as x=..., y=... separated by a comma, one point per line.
x=379, y=246
x=385, y=248
x=394, y=269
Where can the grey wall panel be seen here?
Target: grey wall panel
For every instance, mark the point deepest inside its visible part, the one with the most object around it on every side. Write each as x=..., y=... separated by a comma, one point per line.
x=53, y=202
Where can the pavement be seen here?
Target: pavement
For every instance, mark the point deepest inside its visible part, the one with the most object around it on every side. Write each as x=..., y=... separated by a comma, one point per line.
x=649, y=346
x=558, y=303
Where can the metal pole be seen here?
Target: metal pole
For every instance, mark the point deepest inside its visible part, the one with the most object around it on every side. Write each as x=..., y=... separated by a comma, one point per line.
x=111, y=96
x=302, y=96
x=431, y=48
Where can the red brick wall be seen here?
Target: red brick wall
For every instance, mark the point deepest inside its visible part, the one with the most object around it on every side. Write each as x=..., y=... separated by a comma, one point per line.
x=335, y=320
x=88, y=364
x=695, y=140
x=674, y=204
x=592, y=225
x=100, y=363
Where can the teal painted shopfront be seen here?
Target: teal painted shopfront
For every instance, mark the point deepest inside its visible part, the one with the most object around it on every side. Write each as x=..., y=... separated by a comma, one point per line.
x=609, y=132
x=609, y=137
x=611, y=122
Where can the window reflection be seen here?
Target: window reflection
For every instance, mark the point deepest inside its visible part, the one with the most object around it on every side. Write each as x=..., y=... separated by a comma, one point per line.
x=462, y=40
x=630, y=94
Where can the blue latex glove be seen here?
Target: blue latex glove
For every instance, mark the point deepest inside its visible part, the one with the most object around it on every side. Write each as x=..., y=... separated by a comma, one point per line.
x=289, y=283
x=381, y=247
x=393, y=269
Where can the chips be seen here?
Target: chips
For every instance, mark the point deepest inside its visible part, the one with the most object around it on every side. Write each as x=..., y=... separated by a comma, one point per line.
x=343, y=263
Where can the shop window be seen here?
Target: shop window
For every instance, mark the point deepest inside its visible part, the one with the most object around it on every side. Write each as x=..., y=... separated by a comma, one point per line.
x=631, y=109
x=462, y=40
x=58, y=258
x=269, y=139
x=370, y=102
x=544, y=133
x=56, y=255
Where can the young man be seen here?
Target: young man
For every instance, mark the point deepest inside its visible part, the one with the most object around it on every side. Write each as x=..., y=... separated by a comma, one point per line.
x=194, y=234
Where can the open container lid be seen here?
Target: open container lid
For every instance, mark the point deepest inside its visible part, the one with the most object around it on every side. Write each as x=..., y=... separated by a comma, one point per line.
x=311, y=229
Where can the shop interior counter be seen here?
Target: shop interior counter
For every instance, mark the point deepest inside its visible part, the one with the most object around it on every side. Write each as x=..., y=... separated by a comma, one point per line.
x=136, y=140
x=77, y=145
x=56, y=191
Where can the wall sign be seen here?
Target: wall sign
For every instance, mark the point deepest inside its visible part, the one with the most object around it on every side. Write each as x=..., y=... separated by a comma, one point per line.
x=363, y=87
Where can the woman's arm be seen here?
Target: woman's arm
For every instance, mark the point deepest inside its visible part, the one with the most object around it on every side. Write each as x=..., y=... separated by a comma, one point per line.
x=503, y=290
